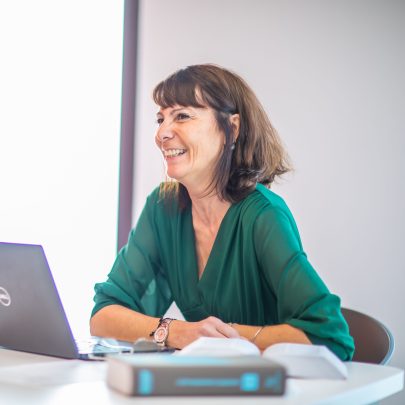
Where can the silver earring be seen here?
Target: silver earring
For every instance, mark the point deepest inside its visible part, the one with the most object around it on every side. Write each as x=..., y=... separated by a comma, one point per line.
x=233, y=146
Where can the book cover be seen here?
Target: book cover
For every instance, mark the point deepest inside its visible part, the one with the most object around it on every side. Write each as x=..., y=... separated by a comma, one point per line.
x=165, y=374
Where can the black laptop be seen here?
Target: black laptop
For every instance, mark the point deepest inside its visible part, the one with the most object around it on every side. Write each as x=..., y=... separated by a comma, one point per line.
x=32, y=318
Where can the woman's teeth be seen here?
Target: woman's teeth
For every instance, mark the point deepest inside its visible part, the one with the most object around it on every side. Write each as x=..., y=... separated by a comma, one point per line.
x=173, y=152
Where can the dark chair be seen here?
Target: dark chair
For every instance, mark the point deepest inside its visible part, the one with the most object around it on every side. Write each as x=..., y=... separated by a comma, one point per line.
x=373, y=341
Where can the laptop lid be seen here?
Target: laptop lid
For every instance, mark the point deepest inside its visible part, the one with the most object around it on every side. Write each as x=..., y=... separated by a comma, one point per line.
x=32, y=317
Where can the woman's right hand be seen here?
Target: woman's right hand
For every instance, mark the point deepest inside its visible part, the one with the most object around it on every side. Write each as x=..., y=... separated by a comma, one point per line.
x=182, y=333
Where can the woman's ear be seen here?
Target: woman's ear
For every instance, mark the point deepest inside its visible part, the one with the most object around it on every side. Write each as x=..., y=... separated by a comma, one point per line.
x=235, y=123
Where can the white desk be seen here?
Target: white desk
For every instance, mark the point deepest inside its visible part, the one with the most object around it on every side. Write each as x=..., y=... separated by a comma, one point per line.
x=40, y=380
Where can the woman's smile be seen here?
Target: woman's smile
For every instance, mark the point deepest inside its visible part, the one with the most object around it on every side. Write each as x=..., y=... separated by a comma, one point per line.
x=190, y=142
x=173, y=153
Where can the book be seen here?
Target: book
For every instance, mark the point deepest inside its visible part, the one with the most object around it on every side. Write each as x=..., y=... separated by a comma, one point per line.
x=168, y=374
x=300, y=360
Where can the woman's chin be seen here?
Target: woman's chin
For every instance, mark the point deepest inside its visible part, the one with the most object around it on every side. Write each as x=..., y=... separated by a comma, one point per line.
x=174, y=175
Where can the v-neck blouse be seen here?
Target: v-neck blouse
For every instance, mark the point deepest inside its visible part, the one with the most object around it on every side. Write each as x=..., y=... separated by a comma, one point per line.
x=257, y=272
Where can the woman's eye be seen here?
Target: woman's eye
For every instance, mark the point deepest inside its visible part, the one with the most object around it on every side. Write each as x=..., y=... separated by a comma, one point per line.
x=182, y=116
x=159, y=121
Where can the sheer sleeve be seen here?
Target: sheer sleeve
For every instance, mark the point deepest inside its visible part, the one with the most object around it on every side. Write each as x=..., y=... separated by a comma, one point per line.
x=137, y=280
x=303, y=300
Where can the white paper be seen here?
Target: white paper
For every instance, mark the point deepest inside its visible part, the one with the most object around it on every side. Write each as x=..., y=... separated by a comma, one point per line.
x=210, y=346
x=307, y=361
x=300, y=360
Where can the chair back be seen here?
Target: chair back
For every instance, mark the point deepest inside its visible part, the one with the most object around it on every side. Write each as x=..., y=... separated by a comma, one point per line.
x=373, y=341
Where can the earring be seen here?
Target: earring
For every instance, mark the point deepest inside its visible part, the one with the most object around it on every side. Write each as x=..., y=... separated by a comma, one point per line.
x=233, y=146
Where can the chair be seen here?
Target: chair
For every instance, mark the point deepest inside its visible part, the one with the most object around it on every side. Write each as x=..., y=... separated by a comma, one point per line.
x=373, y=341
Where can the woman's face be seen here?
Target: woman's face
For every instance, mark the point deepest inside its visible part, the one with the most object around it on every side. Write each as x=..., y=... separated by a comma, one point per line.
x=191, y=144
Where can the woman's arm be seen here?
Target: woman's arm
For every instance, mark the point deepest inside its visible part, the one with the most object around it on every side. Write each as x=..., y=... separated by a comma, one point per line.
x=121, y=323
x=266, y=336
x=129, y=303
x=125, y=324
x=304, y=303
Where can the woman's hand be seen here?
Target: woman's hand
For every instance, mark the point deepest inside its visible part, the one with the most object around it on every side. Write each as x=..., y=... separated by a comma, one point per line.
x=182, y=333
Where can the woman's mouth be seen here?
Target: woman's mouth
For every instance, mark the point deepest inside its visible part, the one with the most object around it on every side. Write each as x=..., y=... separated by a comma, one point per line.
x=173, y=152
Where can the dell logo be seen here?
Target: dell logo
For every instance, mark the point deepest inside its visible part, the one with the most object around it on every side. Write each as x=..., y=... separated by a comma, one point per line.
x=5, y=298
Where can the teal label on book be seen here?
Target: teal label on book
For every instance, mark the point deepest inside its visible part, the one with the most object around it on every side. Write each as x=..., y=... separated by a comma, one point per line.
x=145, y=382
x=249, y=382
x=273, y=381
x=207, y=382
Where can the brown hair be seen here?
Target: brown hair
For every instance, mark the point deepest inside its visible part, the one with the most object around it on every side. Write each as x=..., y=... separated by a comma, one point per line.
x=257, y=156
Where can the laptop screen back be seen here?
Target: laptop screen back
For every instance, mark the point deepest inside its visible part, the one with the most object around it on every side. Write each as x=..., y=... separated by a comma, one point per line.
x=32, y=317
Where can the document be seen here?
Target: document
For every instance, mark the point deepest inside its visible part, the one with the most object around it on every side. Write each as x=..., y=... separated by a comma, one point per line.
x=300, y=360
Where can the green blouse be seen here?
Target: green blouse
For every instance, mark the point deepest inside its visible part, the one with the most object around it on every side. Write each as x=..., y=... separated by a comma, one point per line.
x=257, y=272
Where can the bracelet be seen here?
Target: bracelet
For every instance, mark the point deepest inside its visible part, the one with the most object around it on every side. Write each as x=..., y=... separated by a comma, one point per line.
x=256, y=334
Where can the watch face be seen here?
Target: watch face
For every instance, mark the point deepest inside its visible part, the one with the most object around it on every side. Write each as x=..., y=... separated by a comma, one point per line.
x=160, y=335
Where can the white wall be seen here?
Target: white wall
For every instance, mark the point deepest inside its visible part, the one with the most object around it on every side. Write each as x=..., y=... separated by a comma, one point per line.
x=60, y=96
x=331, y=76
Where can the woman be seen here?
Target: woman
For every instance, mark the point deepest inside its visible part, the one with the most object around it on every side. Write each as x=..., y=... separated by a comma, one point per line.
x=215, y=239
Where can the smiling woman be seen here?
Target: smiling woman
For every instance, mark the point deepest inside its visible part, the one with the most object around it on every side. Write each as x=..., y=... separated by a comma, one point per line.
x=214, y=238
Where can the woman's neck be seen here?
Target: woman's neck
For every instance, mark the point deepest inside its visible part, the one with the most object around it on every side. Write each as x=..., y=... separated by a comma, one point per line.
x=209, y=209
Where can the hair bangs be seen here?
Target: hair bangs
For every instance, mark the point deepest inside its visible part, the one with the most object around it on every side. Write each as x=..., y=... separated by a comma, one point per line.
x=181, y=88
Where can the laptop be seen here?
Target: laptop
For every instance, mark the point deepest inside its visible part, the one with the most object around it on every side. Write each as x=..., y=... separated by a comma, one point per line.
x=32, y=318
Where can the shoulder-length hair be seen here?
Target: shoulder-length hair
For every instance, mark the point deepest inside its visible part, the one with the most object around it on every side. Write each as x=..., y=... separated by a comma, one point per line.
x=257, y=155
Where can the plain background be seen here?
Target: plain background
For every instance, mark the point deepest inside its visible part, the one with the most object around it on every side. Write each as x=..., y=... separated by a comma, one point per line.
x=330, y=74
x=60, y=101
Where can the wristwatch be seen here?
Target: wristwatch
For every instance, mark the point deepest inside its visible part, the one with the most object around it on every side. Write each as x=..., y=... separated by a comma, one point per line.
x=162, y=331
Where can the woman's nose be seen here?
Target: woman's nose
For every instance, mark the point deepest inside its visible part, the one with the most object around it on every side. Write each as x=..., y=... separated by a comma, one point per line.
x=164, y=133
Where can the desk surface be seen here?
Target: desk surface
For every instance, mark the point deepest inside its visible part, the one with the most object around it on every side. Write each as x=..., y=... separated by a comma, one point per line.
x=41, y=380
